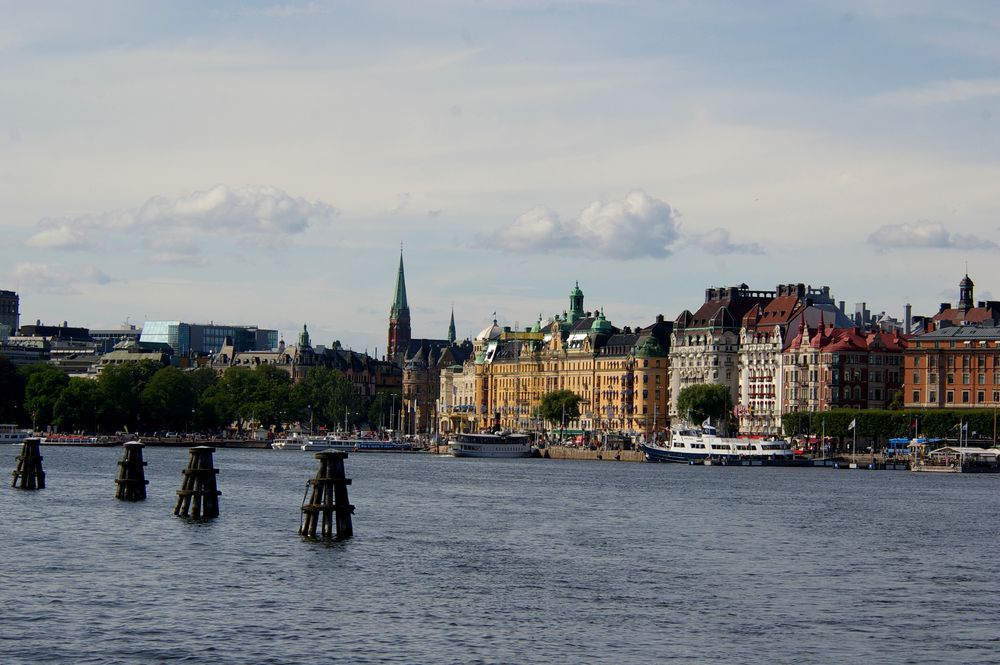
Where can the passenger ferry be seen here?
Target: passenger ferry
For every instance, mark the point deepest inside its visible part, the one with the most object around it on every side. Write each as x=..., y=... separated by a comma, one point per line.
x=491, y=445
x=11, y=434
x=705, y=446
x=331, y=442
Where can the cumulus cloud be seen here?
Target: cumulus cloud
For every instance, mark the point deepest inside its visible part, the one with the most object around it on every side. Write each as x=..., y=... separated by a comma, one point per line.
x=925, y=235
x=634, y=227
x=717, y=241
x=57, y=280
x=244, y=212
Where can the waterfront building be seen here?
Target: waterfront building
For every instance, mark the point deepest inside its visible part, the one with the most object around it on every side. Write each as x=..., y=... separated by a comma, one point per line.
x=203, y=338
x=10, y=313
x=368, y=375
x=620, y=374
x=955, y=367
x=766, y=330
x=421, y=361
x=705, y=346
x=967, y=311
x=827, y=367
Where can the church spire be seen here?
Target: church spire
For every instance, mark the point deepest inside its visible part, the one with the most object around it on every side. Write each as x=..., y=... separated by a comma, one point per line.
x=399, y=300
x=399, y=318
x=451, y=327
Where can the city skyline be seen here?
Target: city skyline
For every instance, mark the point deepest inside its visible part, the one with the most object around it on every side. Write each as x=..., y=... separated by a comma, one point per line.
x=260, y=163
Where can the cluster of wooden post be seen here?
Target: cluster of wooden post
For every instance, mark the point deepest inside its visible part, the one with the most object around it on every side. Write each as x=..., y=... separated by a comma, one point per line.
x=131, y=479
x=29, y=474
x=329, y=499
x=198, y=496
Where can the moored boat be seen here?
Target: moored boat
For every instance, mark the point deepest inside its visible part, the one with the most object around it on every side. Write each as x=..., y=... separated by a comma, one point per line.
x=490, y=445
x=11, y=434
x=705, y=446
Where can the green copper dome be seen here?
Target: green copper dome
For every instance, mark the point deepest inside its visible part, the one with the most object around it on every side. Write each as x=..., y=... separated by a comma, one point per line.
x=600, y=324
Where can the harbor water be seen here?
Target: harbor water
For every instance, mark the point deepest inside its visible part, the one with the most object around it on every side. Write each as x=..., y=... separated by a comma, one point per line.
x=501, y=561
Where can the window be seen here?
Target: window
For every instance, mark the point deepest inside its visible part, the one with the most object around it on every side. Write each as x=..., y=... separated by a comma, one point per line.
x=931, y=396
x=980, y=397
x=965, y=397
x=996, y=395
x=916, y=378
x=916, y=395
x=966, y=378
x=950, y=378
x=949, y=397
x=981, y=379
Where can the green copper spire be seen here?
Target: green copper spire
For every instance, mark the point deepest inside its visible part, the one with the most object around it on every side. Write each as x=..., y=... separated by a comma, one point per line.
x=451, y=327
x=399, y=305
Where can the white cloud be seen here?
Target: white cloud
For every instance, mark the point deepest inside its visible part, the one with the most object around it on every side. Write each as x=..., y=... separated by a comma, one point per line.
x=62, y=280
x=60, y=236
x=925, y=235
x=717, y=241
x=637, y=226
x=246, y=212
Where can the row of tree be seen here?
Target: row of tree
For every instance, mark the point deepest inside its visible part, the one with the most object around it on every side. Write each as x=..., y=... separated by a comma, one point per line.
x=142, y=397
x=882, y=425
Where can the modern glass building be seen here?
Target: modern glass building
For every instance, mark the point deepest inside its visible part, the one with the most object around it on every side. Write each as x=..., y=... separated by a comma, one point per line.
x=186, y=338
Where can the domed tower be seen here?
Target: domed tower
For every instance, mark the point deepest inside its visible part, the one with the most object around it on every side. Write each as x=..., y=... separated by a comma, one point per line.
x=965, y=299
x=576, y=303
x=399, y=319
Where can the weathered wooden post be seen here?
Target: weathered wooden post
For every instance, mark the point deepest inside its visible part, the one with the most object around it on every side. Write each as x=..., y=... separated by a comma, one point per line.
x=29, y=474
x=198, y=493
x=329, y=496
x=131, y=479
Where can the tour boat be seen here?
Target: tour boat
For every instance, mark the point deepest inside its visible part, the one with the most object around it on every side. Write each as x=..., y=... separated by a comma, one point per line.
x=491, y=445
x=705, y=446
x=72, y=440
x=359, y=444
x=11, y=434
x=293, y=441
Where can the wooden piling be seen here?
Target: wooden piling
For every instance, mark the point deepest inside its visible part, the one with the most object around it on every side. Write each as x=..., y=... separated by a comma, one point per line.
x=29, y=474
x=198, y=494
x=131, y=479
x=329, y=498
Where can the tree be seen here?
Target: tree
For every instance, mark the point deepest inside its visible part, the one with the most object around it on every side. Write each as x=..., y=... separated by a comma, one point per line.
x=119, y=390
x=324, y=396
x=12, y=384
x=559, y=406
x=168, y=400
x=76, y=408
x=45, y=386
x=704, y=401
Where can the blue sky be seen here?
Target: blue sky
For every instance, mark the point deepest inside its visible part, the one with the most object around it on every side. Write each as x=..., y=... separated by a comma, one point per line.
x=260, y=163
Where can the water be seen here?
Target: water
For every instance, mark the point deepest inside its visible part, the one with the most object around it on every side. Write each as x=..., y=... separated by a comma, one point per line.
x=501, y=561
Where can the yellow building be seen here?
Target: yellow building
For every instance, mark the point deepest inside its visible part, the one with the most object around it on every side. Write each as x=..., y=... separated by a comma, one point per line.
x=621, y=375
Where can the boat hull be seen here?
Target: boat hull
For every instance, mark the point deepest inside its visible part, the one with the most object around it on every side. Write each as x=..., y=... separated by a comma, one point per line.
x=657, y=454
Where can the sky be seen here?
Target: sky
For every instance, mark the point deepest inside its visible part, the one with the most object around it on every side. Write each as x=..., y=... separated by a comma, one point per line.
x=262, y=163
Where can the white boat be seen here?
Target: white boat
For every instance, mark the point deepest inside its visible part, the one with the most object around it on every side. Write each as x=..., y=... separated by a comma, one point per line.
x=11, y=434
x=705, y=446
x=72, y=440
x=293, y=441
x=491, y=445
x=358, y=444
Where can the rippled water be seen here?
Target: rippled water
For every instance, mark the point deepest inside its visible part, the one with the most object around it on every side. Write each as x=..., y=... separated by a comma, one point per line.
x=512, y=561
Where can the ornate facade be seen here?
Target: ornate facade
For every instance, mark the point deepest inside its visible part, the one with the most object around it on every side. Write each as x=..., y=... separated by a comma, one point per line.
x=620, y=375
x=368, y=375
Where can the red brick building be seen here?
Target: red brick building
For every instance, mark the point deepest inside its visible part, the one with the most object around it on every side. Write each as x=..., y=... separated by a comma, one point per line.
x=953, y=367
x=836, y=368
